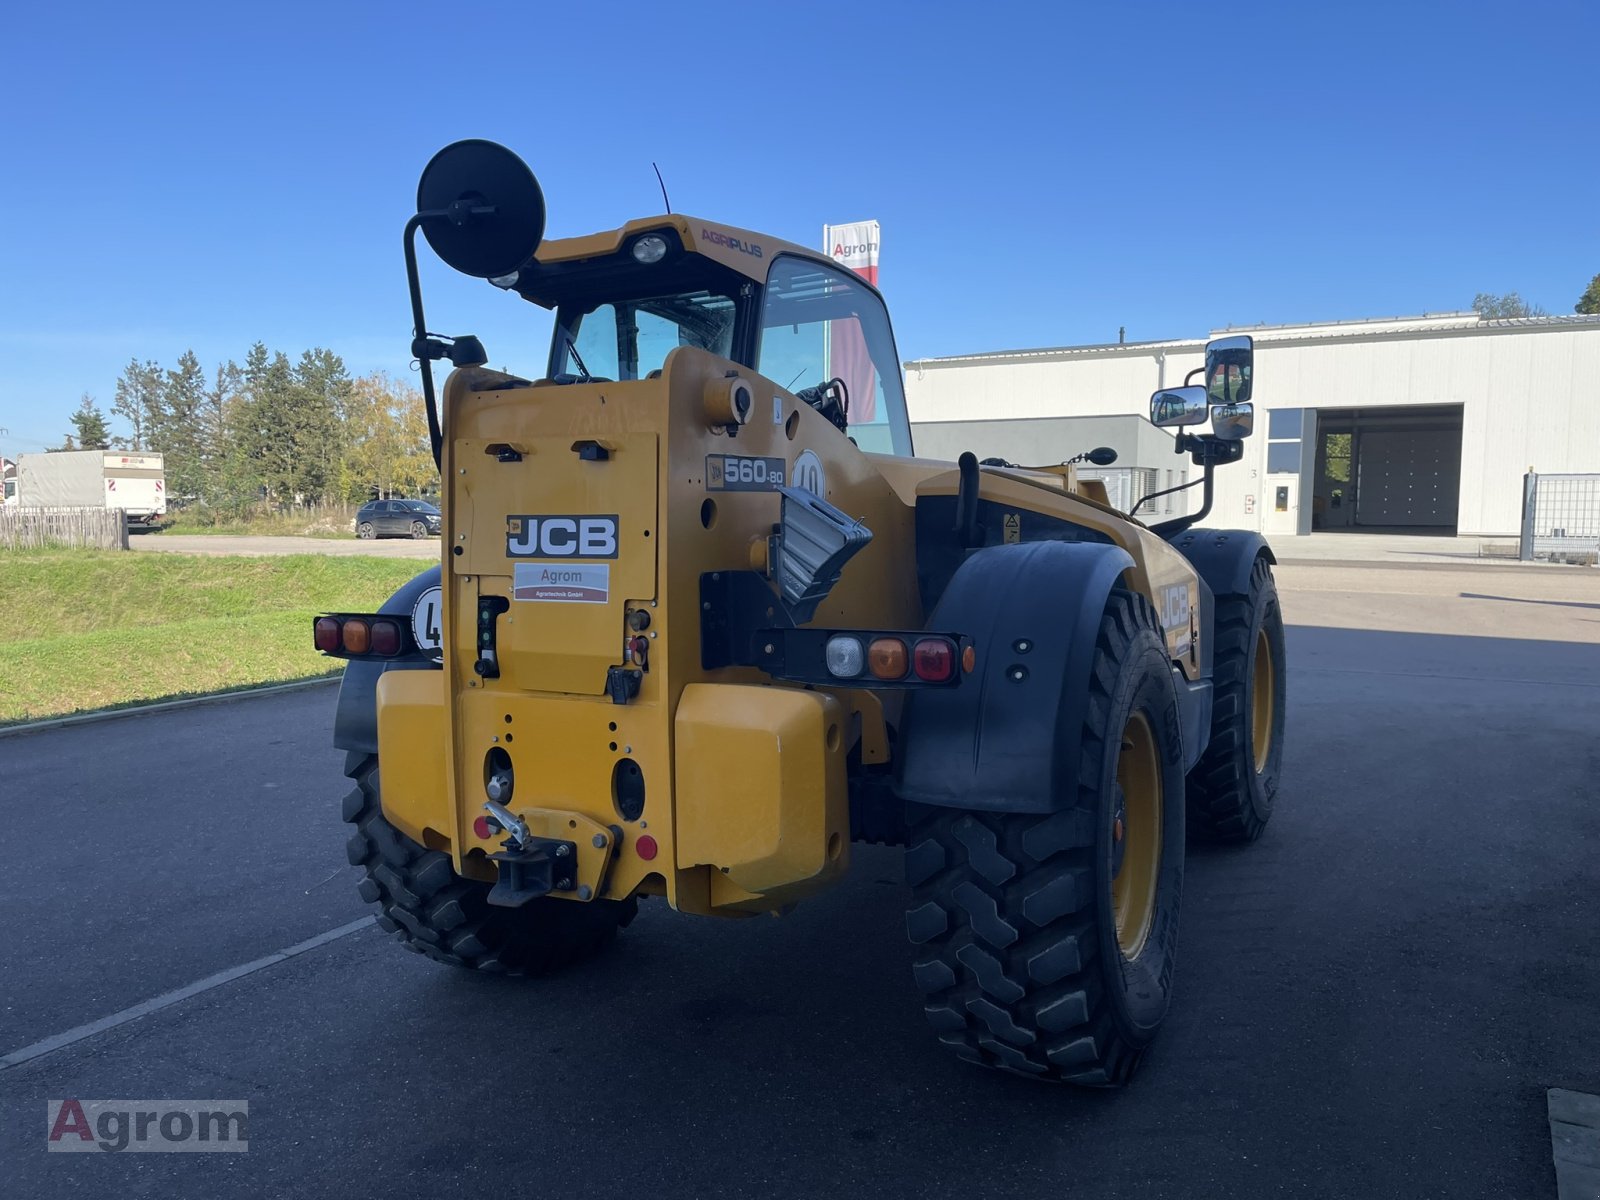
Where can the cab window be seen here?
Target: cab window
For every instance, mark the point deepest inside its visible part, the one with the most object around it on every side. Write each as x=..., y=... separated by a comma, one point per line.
x=630, y=339
x=819, y=323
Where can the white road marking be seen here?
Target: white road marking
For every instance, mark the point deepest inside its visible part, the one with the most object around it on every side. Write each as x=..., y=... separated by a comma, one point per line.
x=60, y=1041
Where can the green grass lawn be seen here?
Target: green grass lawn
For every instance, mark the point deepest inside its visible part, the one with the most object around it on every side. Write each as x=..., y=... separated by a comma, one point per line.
x=97, y=629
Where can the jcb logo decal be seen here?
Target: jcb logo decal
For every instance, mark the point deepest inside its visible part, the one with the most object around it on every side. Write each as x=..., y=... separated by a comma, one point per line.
x=561, y=537
x=1175, y=606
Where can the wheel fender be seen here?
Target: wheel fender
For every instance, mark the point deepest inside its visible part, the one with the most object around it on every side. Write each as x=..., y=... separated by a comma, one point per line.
x=1000, y=743
x=1223, y=558
x=355, y=720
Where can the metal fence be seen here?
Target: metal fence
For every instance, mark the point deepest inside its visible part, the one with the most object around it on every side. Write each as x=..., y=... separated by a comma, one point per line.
x=84, y=528
x=1560, y=518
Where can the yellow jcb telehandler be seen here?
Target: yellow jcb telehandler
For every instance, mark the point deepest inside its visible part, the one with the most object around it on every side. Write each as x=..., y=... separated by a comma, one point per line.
x=701, y=620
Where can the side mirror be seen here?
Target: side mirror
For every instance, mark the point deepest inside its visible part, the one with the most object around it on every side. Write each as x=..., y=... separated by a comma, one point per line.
x=483, y=208
x=1232, y=422
x=1228, y=366
x=1177, y=406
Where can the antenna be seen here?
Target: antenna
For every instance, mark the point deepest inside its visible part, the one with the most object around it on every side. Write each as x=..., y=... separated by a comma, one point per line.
x=663, y=184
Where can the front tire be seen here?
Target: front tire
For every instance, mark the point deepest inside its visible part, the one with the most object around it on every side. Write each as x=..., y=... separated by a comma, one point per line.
x=1046, y=944
x=418, y=531
x=1233, y=786
x=433, y=911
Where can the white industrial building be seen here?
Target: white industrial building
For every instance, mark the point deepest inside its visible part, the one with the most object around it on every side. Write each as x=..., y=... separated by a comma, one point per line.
x=1403, y=425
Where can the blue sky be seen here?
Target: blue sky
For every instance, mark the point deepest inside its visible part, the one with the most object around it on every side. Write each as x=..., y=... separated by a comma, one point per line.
x=212, y=175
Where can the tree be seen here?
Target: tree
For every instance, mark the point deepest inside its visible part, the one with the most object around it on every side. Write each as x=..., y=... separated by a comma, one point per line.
x=321, y=391
x=221, y=467
x=176, y=430
x=138, y=401
x=1489, y=305
x=69, y=444
x=1589, y=302
x=386, y=439
x=93, y=431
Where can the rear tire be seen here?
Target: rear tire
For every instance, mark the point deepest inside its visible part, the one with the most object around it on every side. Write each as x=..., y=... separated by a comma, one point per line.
x=434, y=911
x=364, y=530
x=1233, y=786
x=1038, y=951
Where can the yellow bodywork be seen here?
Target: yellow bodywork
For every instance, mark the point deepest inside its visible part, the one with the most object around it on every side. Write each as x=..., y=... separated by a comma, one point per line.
x=745, y=779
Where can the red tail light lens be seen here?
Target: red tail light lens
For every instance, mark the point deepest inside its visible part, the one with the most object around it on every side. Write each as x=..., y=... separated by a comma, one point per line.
x=934, y=660
x=326, y=635
x=385, y=637
x=357, y=636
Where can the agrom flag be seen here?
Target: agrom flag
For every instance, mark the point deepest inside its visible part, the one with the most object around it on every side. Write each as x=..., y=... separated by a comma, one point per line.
x=856, y=247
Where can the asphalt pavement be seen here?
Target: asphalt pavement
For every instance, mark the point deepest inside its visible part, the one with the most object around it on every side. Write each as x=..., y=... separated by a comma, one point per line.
x=1371, y=1001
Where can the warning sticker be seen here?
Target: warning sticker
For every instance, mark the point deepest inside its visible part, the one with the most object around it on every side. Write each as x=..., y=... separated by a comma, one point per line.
x=1013, y=528
x=580, y=583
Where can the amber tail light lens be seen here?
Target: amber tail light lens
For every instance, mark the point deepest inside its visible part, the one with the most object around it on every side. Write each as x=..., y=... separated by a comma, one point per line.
x=887, y=658
x=357, y=637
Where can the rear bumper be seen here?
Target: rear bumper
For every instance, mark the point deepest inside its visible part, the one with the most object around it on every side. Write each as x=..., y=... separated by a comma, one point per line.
x=745, y=801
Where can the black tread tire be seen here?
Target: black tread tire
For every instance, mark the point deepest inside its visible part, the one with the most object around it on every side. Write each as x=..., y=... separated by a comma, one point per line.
x=1017, y=956
x=419, y=530
x=434, y=911
x=1229, y=801
x=365, y=531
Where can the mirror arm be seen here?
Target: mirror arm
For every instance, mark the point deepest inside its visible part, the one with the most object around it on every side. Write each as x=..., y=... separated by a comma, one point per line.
x=1182, y=487
x=1170, y=529
x=1190, y=376
x=424, y=348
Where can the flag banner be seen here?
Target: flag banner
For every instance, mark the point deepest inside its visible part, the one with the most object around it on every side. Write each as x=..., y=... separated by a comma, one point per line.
x=854, y=246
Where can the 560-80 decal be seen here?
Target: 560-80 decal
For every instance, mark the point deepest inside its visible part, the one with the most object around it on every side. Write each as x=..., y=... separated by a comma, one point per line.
x=739, y=473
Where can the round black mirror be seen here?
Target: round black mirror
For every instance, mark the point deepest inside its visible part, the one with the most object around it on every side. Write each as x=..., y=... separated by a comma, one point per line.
x=1102, y=456
x=493, y=209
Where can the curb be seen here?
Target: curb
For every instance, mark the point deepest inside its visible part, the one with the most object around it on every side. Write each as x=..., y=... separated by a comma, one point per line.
x=139, y=710
x=1464, y=564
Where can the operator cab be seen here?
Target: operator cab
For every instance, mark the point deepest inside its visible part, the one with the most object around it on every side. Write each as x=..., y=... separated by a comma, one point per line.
x=819, y=332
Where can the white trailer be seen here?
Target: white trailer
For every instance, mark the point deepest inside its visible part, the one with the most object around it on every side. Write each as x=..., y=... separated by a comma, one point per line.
x=109, y=479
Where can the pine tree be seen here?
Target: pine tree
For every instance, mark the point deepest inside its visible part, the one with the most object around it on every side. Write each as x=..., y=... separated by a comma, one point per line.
x=222, y=480
x=1589, y=302
x=177, y=432
x=94, y=433
x=138, y=401
x=322, y=391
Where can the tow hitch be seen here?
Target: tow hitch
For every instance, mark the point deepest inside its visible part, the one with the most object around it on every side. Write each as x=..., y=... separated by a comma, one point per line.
x=530, y=867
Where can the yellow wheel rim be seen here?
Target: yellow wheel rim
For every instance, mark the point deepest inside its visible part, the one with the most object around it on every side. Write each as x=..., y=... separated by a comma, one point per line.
x=1136, y=836
x=1262, y=700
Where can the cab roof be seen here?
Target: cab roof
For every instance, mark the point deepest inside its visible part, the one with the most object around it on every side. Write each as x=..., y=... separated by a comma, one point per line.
x=744, y=251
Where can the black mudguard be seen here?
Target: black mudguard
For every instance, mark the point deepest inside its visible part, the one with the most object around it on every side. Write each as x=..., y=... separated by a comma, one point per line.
x=999, y=743
x=355, y=722
x=1223, y=558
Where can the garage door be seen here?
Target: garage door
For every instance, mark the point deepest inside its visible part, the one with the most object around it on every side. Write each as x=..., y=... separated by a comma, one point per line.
x=1408, y=478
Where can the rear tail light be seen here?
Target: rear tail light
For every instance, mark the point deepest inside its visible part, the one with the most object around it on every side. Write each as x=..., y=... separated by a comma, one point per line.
x=357, y=636
x=844, y=656
x=887, y=658
x=326, y=635
x=385, y=637
x=934, y=660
